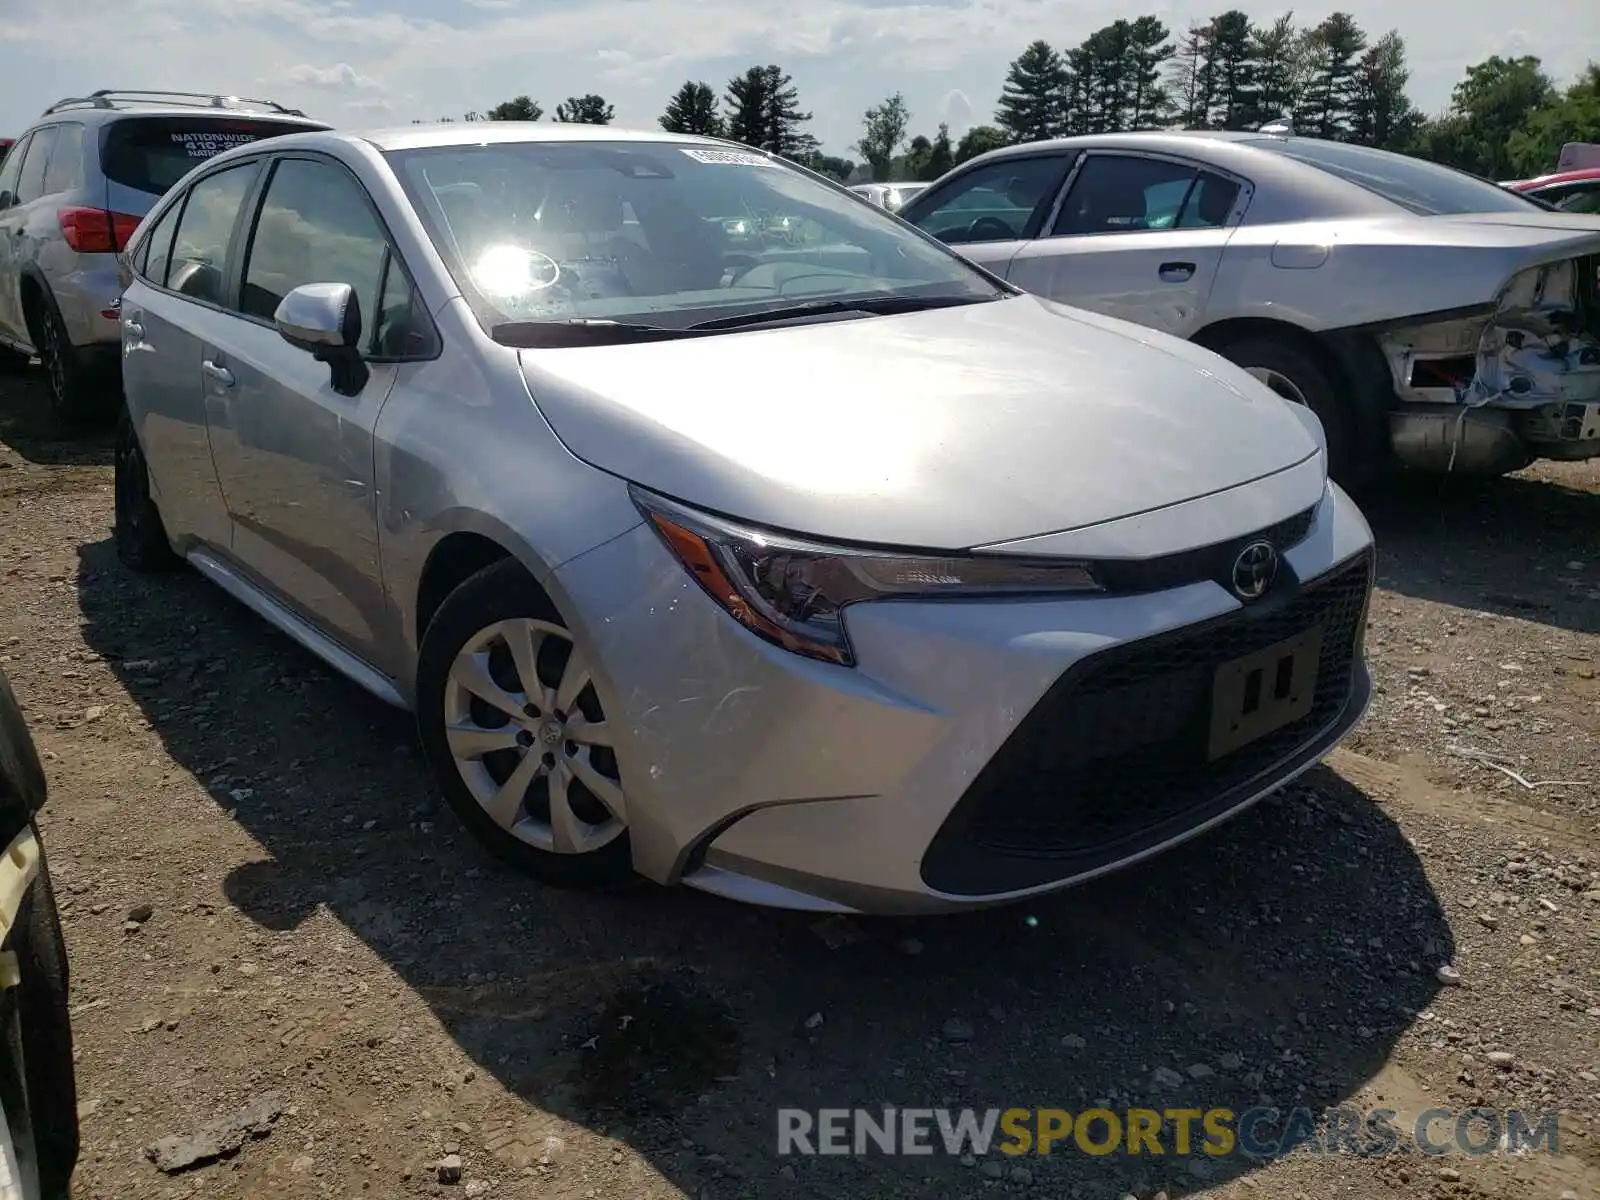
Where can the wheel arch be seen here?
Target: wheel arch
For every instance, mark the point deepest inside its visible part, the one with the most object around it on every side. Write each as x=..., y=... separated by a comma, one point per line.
x=1355, y=366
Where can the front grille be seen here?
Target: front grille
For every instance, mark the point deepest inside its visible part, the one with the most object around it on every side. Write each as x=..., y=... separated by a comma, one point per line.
x=1213, y=562
x=1113, y=758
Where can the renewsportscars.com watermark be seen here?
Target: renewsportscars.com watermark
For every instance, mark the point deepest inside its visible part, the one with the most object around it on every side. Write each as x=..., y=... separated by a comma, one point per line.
x=1258, y=1133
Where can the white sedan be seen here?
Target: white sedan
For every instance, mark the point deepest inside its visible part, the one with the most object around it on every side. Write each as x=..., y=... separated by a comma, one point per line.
x=1430, y=318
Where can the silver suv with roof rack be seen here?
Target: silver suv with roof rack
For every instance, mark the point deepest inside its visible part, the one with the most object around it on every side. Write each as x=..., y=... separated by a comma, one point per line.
x=72, y=190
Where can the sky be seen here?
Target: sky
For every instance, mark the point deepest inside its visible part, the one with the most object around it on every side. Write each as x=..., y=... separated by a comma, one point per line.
x=367, y=63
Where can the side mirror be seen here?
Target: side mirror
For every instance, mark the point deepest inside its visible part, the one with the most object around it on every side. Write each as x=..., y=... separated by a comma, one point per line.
x=324, y=319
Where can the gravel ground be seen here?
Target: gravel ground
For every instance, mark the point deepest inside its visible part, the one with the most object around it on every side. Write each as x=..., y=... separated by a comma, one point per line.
x=264, y=904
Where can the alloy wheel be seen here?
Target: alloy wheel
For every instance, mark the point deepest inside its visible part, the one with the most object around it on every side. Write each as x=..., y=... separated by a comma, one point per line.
x=55, y=363
x=530, y=740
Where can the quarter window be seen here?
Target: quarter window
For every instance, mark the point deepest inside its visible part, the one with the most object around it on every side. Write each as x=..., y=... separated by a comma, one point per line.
x=199, y=266
x=1115, y=193
x=315, y=226
x=1000, y=202
x=30, y=185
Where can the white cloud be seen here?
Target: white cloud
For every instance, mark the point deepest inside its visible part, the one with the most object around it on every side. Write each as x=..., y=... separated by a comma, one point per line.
x=341, y=77
x=956, y=111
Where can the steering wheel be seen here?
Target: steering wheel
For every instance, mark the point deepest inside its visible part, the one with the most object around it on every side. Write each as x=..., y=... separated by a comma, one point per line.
x=990, y=229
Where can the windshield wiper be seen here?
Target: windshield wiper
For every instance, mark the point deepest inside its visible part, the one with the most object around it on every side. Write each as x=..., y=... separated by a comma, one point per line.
x=875, y=305
x=579, y=331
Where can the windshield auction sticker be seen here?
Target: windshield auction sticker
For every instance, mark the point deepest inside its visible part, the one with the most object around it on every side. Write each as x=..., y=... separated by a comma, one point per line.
x=207, y=143
x=732, y=158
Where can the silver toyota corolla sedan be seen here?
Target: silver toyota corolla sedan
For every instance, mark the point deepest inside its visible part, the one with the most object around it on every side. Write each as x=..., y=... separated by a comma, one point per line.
x=826, y=572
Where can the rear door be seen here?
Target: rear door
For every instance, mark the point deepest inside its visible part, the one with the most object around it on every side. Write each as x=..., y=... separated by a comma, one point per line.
x=175, y=302
x=295, y=456
x=1137, y=236
x=988, y=212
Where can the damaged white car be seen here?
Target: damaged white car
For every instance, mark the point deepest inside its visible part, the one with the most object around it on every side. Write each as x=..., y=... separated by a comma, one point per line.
x=1432, y=319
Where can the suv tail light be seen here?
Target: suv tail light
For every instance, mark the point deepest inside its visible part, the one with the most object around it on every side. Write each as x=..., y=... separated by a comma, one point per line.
x=96, y=231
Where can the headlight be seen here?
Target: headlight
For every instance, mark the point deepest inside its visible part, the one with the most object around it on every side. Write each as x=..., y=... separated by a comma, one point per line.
x=794, y=593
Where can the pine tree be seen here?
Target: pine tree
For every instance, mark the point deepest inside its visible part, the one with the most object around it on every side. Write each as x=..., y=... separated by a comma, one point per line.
x=693, y=109
x=1334, y=51
x=747, y=108
x=585, y=110
x=1194, y=77
x=764, y=111
x=942, y=156
x=1032, y=106
x=1149, y=50
x=1278, y=53
x=1380, y=112
x=1106, y=55
x=1231, y=63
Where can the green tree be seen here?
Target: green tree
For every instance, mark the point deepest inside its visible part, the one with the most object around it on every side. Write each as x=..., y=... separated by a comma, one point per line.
x=1278, y=54
x=1333, y=49
x=833, y=167
x=1102, y=67
x=693, y=109
x=1194, y=77
x=1149, y=50
x=523, y=108
x=1381, y=114
x=883, y=130
x=914, y=161
x=1032, y=104
x=980, y=139
x=941, y=156
x=1232, y=71
x=1574, y=117
x=585, y=110
x=1498, y=99
x=764, y=111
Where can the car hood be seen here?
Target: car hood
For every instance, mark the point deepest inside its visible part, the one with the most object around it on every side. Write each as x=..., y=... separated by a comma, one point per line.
x=943, y=429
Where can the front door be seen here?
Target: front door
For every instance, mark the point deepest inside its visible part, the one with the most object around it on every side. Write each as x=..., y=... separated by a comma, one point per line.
x=10, y=235
x=1138, y=237
x=988, y=212
x=295, y=457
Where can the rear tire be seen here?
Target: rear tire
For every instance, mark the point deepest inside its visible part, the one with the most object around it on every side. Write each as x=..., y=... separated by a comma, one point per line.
x=1298, y=375
x=529, y=771
x=140, y=536
x=79, y=395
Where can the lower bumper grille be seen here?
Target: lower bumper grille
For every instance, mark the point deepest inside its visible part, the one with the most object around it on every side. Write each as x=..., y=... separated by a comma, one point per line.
x=1114, y=758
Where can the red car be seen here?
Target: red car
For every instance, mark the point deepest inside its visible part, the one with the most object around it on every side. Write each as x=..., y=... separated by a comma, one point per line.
x=1570, y=191
x=5, y=147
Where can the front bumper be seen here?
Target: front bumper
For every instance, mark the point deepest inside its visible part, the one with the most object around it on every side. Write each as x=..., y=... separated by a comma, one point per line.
x=926, y=778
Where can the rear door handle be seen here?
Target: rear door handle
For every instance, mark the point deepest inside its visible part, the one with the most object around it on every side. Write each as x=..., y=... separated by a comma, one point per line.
x=221, y=374
x=1176, y=272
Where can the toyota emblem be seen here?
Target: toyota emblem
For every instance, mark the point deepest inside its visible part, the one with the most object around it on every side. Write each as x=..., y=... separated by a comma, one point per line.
x=1254, y=570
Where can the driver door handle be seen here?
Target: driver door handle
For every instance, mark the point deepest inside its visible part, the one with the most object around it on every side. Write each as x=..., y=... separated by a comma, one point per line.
x=221, y=374
x=1176, y=272
x=134, y=329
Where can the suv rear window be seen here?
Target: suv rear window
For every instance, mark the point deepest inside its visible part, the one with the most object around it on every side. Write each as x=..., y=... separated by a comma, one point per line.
x=153, y=153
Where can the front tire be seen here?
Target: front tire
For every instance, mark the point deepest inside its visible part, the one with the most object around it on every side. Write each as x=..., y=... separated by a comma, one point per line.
x=1297, y=375
x=140, y=536
x=515, y=734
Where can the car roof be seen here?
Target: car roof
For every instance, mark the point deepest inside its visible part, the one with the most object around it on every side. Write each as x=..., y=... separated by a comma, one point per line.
x=476, y=133
x=1581, y=175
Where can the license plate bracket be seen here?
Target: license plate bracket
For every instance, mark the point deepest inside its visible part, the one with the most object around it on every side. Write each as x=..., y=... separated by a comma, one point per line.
x=1258, y=693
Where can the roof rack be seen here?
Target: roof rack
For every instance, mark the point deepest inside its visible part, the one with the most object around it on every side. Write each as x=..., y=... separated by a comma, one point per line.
x=110, y=97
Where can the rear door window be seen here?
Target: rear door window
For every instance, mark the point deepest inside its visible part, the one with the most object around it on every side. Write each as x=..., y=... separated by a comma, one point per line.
x=1116, y=193
x=150, y=154
x=199, y=266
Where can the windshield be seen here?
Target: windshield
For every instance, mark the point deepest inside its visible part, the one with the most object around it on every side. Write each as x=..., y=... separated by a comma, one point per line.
x=1424, y=188
x=660, y=233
